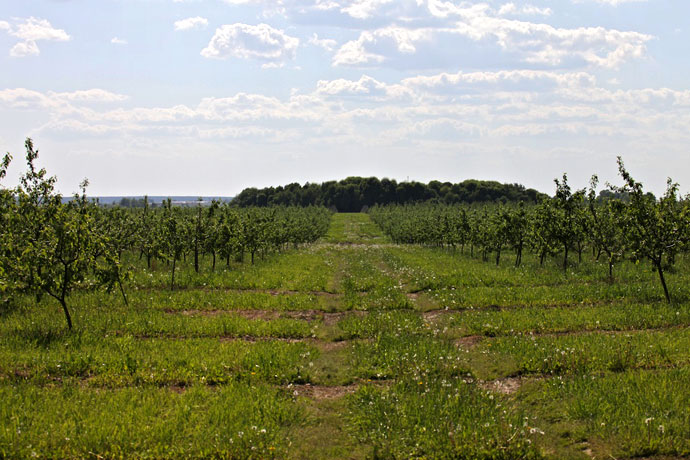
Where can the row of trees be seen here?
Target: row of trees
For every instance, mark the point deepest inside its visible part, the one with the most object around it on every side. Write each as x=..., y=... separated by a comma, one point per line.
x=628, y=222
x=355, y=193
x=50, y=246
x=219, y=231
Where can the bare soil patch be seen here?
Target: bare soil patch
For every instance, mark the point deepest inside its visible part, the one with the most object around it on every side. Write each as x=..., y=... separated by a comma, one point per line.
x=321, y=392
x=328, y=318
x=469, y=341
x=504, y=386
x=432, y=315
x=333, y=346
x=601, y=331
x=253, y=339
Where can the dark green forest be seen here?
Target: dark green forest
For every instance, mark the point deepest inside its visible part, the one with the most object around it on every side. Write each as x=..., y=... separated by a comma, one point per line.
x=354, y=193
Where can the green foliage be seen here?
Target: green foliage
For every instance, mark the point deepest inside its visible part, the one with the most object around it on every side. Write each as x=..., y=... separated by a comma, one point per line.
x=627, y=221
x=655, y=230
x=53, y=247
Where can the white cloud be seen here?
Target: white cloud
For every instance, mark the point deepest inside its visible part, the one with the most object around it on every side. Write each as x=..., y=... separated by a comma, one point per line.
x=526, y=10
x=489, y=111
x=23, y=49
x=118, y=41
x=379, y=45
x=244, y=41
x=90, y=95
x=513, y=80
x=30, y=99
x=191, y=23
x=365, y=86
x=325, y=43
x=30, y=31
x=462, y=30
x=611, y=2
x=35, y=29
x=363, y=9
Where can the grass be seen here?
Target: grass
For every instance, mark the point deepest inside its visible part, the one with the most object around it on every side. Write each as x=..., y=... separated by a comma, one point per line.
x=235, y=421
x=354, y=348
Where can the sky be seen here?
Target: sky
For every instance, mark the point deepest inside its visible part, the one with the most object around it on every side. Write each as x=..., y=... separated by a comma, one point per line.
x=207, y=97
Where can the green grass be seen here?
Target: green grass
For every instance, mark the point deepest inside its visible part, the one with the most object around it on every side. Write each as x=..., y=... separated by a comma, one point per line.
x=621, y=415
x=354, y=229
x=354, y=348
x=68, y=421
x=438, y=419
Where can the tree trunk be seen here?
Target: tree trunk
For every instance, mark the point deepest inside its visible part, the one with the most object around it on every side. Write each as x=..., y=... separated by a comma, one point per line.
x=196, y=256
x=122, y=290
x=518, y=257
x=663, y=281
x=565, y=258
x=67, y=315
x=498, y=256
x=172, y=280
x=213, y=267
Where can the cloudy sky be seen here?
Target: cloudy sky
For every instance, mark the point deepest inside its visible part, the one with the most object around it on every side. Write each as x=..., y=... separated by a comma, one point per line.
x=206, y=97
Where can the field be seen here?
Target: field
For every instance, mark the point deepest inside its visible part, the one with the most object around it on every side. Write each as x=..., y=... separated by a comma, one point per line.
x=354, y=347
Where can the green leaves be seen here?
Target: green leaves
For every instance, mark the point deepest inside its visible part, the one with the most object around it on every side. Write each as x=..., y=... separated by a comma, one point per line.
x=51, y=247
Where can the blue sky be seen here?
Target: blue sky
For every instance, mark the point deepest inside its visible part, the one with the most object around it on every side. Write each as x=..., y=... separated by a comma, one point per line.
x=207, y=97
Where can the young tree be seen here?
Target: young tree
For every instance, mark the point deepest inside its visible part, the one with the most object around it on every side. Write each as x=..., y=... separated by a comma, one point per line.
x=605, y=225
x=543, y=228
x=567, y=205
x=8, y=207
x=173, y=237
x=55, y=246
x=517, y=227
x=655, y=230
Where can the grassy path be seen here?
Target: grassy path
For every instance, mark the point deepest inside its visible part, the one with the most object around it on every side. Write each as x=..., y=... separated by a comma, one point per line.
x=354, y=348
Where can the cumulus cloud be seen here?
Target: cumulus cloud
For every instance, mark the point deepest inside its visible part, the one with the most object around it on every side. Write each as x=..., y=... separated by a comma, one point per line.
x=325, y=43
x=23, y=49
x=191, y=23
x=365, y=86
x=611, y=2
x=261, y=42
x=30, y=99
x=377, y=46
x=30, y=31
x=507, y=80
x=439, y=114
x=508, y=9
x=363, y=9
x=502, y=103
x=468, y=27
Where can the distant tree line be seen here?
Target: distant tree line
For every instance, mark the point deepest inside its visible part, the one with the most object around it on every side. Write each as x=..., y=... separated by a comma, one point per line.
x=355, y=193
x=133, y=202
